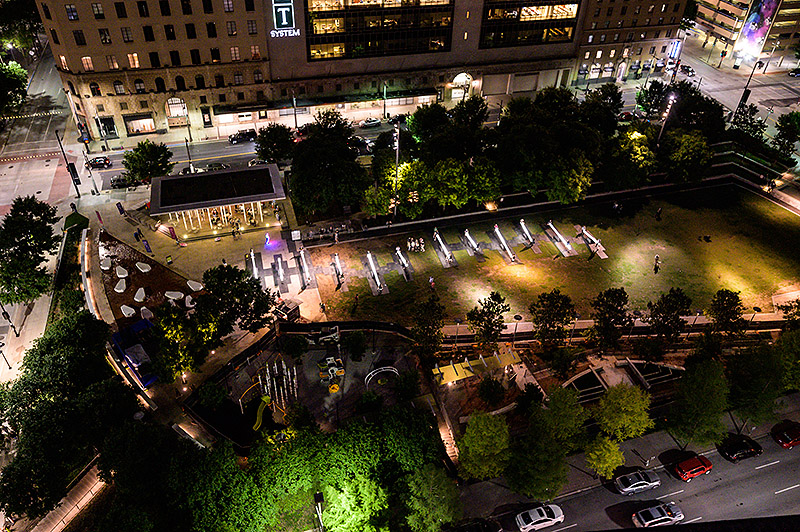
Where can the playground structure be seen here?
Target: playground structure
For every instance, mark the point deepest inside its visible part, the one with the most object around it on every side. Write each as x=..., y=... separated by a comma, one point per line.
x=331, y=372
x=277, y=386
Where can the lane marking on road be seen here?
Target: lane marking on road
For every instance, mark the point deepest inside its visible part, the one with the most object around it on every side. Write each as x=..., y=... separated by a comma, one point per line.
x=769, y=464
x=670, y=494
x=692, y=520
x=787, y=489
x=565, y=527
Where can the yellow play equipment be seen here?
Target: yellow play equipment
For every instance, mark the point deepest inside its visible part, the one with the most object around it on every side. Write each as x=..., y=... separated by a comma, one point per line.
x=265, y=401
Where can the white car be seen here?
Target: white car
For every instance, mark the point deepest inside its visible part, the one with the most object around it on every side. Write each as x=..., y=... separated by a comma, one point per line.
x=539, y=517
x=661, y=515
x=256, y=162
x=370, y=122
x=637, y=482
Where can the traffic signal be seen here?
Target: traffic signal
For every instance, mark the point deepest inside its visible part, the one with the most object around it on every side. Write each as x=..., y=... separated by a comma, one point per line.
x=723, y=53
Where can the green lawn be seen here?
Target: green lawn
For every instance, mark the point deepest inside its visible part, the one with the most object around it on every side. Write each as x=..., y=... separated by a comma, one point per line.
x=752, y=249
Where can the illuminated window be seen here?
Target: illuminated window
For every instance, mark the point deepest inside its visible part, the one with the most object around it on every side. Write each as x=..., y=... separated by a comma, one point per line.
x=105, y=35
x=599, y=54
x=255, y=54
x=72, y=13
x=87, y=63
x=235, y=53
x=97, y=11
x=231, y=25
x=133, y=60
x=127, y=35
x=119, y=88
x=227, y=6
x=63, y=62
x=111, y=60
x=612, y=53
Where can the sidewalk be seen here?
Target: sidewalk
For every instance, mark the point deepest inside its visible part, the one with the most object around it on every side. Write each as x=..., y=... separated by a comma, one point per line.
x=482, y=497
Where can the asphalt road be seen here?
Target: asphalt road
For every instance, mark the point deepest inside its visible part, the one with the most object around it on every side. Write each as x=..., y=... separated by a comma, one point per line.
x=768, y=485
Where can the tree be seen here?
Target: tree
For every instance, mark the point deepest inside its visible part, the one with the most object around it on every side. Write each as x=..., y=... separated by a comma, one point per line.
x=26, y=237
x=182, y=346
x=610, y=315
x=630, y=157
x=212, y=395
x=537, y=467
x=146, y=161
x=791, y=315
x=331, y=123
x=232, y=298
x=601, y=107
x=483, y=180
x=652, y=98
x=530, y=398
x=274, y=143
x=552, y=312
x=427, y=329
x=355, y=343
x=788, y=347
x=604, y=456
x=486, y=320
x=13, y=86
x=483, y=450
x=564, y=418
x=726, y=310
x=622, y=412
x=688, y=155
x=756, y=380
x=20, y=24
x=451, y=187
x=354, y=506
x=433, y=500
x=294, y=345
x=406, y=386
x=665, y=315
x=788, y=126
x=748, y=121
x=569, y=178
x=700, y=402
x=491, y=391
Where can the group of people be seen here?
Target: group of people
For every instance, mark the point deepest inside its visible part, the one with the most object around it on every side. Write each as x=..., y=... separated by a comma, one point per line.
x=416, y=244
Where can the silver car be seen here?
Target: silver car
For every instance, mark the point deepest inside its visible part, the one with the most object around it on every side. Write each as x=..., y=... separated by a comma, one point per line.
x=637, y=482
x=663, y=514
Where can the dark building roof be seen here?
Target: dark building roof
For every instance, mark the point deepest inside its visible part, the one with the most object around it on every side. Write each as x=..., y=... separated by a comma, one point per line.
x=215, y=189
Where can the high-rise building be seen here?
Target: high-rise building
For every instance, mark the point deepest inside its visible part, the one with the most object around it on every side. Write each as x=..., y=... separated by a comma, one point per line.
x=216, y=66
x=628, y=38
x=752, y=28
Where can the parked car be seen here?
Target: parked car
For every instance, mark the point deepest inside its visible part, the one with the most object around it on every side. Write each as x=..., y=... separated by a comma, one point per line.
x=786, y=433
x=301, y=133
x=369, y=122
x=189, y=170
x=637, y=482
x=398, y=119
x=688, y=70
x=693, y=467
x=794, y=72
x=627, y=116
x=539, y=517
x=659, y=515
x=213, y=167
x=256, y=162
x=119, y=181
x=245, y=135
x=476, y=525
x=361, y=145
x=98, y=162
x=737, y=447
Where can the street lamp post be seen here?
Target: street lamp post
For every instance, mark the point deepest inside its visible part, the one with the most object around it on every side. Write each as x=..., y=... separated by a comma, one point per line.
x=775, y=45
x=697, y=315
x=2, y=344
x=7, y=317
x=91, y=176
x=455, y=342
x=572, y=332
x=746, y=91
x=755, y=310
x=517, y=317
x=396, y=162
x=384, y=100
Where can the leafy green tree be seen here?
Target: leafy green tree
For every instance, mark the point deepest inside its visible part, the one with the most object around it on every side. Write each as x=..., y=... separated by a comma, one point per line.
x=530, y=398
x=427, y=329
x=610, y=315
x=537, y=467
x=726, y=310
x=564, y=418
x=484, y=448
x=407, y=385
x=756, y=381
x=354, y=506
x=601, y=107
x=569, y=178
x=427, y=122
x=788, y=347
x=274, y=143
x=486, y=320
x=26, y=237
x=791, y=315
x=146, y=161
x=604, y=456
x=748, y=121
x=622, y=412
x=212, y=395
x=688, y=155
x=470, y=113
x=20, y=24
x=552, y=312
x=355, y=343
x=483, y=180
x=631, y=158
x=491, y=391
x=434, y=499
x=415, y=189
x=665, y=314
x=13, y=86
x=325, y=174
x=788, y=126
x=294, y=345
x=377, y=201
x=562, y=361
x=451, y=184
x=181, y=346
x=700, y=403
x=652, y=99
x=232, y=297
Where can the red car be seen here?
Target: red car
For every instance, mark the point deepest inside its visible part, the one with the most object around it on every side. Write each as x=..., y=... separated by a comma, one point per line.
x=693, y=467
x=786, y=433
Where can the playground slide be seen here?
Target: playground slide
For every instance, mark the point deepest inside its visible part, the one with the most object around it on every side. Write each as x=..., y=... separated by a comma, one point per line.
x=259, y=416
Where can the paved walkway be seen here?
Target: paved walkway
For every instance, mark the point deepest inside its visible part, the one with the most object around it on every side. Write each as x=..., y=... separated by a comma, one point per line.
x=483, y=497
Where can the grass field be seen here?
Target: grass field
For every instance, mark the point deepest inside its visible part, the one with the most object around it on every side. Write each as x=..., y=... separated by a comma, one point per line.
x=754, y=248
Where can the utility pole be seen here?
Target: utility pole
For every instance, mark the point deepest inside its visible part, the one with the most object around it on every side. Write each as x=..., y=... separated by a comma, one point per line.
x=396, y=163
x=73, y=173
x=189, y=154
x=101, y=129
x=7, y=317
x=89, y=168
x=384, y=100
x=746, y=91
x=294, y=108
x=777, y=43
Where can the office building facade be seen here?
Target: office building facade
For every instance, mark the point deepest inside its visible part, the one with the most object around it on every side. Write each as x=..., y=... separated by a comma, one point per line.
x=211, y=67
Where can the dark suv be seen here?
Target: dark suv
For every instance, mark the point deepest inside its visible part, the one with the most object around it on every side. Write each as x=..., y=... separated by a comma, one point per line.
x=737, y=447
x=98, y=162
x=246, y=135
